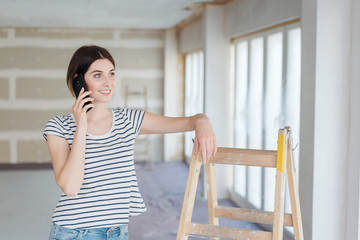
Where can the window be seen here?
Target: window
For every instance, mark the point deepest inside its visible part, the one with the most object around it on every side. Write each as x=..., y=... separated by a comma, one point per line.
x=267, y=97
x=194, y=92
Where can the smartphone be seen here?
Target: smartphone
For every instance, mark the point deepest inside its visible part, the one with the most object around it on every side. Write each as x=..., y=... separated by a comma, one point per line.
x=78, y=83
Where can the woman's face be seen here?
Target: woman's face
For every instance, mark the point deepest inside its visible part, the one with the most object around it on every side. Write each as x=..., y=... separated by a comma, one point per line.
x=100, y=79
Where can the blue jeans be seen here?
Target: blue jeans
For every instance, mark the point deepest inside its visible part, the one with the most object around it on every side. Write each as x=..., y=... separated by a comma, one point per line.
x=107, y=233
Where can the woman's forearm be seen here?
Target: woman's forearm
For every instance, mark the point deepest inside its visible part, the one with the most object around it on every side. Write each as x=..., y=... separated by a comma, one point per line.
x=72, y=175
x=205, y=139
x=157, y=124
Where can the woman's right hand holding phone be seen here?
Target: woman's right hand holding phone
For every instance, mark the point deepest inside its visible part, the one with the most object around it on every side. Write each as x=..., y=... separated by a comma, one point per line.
x=79, y=109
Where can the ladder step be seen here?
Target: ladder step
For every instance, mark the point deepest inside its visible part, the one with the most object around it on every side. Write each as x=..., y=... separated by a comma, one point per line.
x=225, y=232
x=250, y=215
x=248, y=157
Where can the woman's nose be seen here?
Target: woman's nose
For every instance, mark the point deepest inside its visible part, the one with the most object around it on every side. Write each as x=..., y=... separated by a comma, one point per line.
x=107, y=81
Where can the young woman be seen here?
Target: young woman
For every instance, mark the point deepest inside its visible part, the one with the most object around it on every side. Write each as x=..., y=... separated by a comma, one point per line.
x=92, y=152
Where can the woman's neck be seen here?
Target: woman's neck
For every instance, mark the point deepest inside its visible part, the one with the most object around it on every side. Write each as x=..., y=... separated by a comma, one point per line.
x=98, y=112
x=99, y=119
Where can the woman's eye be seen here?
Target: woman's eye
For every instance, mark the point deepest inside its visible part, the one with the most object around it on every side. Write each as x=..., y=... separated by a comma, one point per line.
x=97, y=75
x=111, y=74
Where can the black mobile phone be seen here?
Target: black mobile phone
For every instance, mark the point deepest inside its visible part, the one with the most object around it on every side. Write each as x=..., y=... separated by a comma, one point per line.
x=78, y=83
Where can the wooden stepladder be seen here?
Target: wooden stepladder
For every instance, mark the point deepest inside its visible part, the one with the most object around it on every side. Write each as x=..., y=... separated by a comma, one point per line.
x=280, y=159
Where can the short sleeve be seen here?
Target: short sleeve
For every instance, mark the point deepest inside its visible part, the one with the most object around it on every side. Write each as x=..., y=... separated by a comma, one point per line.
x=53, y=127
x=136, y=117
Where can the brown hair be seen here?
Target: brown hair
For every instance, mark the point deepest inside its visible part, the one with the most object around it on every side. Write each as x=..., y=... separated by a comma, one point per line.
x=82, y=59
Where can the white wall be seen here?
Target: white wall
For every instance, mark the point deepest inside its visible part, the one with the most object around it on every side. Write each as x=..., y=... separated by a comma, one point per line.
x=331, y=123
x=330, y=191
x=250, y=15
x=353, y=184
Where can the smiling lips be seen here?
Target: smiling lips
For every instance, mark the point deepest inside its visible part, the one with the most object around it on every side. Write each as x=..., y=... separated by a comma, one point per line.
x=105, y=92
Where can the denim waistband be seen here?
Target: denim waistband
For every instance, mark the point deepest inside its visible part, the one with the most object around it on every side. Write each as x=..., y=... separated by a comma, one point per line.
x=90, y=231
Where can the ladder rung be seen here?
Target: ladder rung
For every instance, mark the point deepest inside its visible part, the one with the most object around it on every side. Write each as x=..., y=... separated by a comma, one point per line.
x=248, y=157
x=225, y=232
x=250, y=215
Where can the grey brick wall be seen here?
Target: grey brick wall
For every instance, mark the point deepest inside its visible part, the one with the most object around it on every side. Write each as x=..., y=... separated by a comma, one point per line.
x=33, y=67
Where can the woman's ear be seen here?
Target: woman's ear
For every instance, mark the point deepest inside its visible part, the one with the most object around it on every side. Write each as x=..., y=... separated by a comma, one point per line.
x=75, y=75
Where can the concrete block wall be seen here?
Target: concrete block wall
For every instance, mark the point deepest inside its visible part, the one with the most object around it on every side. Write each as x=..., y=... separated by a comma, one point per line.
x=33, y=66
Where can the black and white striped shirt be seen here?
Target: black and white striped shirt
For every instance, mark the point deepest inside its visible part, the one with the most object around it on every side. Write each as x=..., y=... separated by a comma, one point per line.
x=109, y=194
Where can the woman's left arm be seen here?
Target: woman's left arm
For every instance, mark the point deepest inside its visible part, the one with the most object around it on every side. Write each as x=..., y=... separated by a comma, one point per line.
x=205, y=139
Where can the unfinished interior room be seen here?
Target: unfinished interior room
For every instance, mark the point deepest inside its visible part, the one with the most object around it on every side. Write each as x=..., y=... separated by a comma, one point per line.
x=197, y=82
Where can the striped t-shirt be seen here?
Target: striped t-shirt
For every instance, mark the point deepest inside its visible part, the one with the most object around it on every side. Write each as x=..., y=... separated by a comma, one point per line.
x=109, y=194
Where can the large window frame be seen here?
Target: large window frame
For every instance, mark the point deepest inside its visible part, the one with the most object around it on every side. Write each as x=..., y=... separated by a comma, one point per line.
x=266, y=98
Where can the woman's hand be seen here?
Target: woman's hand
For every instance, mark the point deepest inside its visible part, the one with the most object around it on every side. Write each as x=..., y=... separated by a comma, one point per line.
x=205, y=139
x=79, y=110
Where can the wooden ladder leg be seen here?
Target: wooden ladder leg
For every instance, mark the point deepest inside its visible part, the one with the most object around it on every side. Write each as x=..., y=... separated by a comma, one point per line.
x=294, y=194
x=189, y=196
x=278, y=225
x=211, y=194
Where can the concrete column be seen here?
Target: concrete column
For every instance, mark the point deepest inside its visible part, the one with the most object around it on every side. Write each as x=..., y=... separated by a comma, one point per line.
x=173, y=143
x=353, y=184
x=325, y=118
x=307, y=110
x=218, y=91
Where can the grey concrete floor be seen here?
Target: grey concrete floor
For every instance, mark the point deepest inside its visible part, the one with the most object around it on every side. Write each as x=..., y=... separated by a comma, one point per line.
x=28, y=199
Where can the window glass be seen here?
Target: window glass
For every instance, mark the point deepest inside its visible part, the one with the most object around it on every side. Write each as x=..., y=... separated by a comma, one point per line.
x=241, y=86
x=272, y=108
x=255, y=101
x=267, y=98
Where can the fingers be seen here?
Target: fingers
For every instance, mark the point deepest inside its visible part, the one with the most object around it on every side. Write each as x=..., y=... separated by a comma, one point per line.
x=197, y=145
x=81, y=100
x=83, y=94
x=204, y=156
x=84, y=101
x=215, y=147
x=207, y=146
x=87, y=106
x=81, y=106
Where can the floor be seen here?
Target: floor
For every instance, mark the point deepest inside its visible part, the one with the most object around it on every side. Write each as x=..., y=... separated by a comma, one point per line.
x=28, y=198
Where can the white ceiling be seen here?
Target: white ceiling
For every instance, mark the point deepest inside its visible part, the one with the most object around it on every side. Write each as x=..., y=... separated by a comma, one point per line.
x=129, y=14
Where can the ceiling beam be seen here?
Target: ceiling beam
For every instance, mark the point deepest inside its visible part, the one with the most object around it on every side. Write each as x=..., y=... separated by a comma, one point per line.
x=198, y=9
